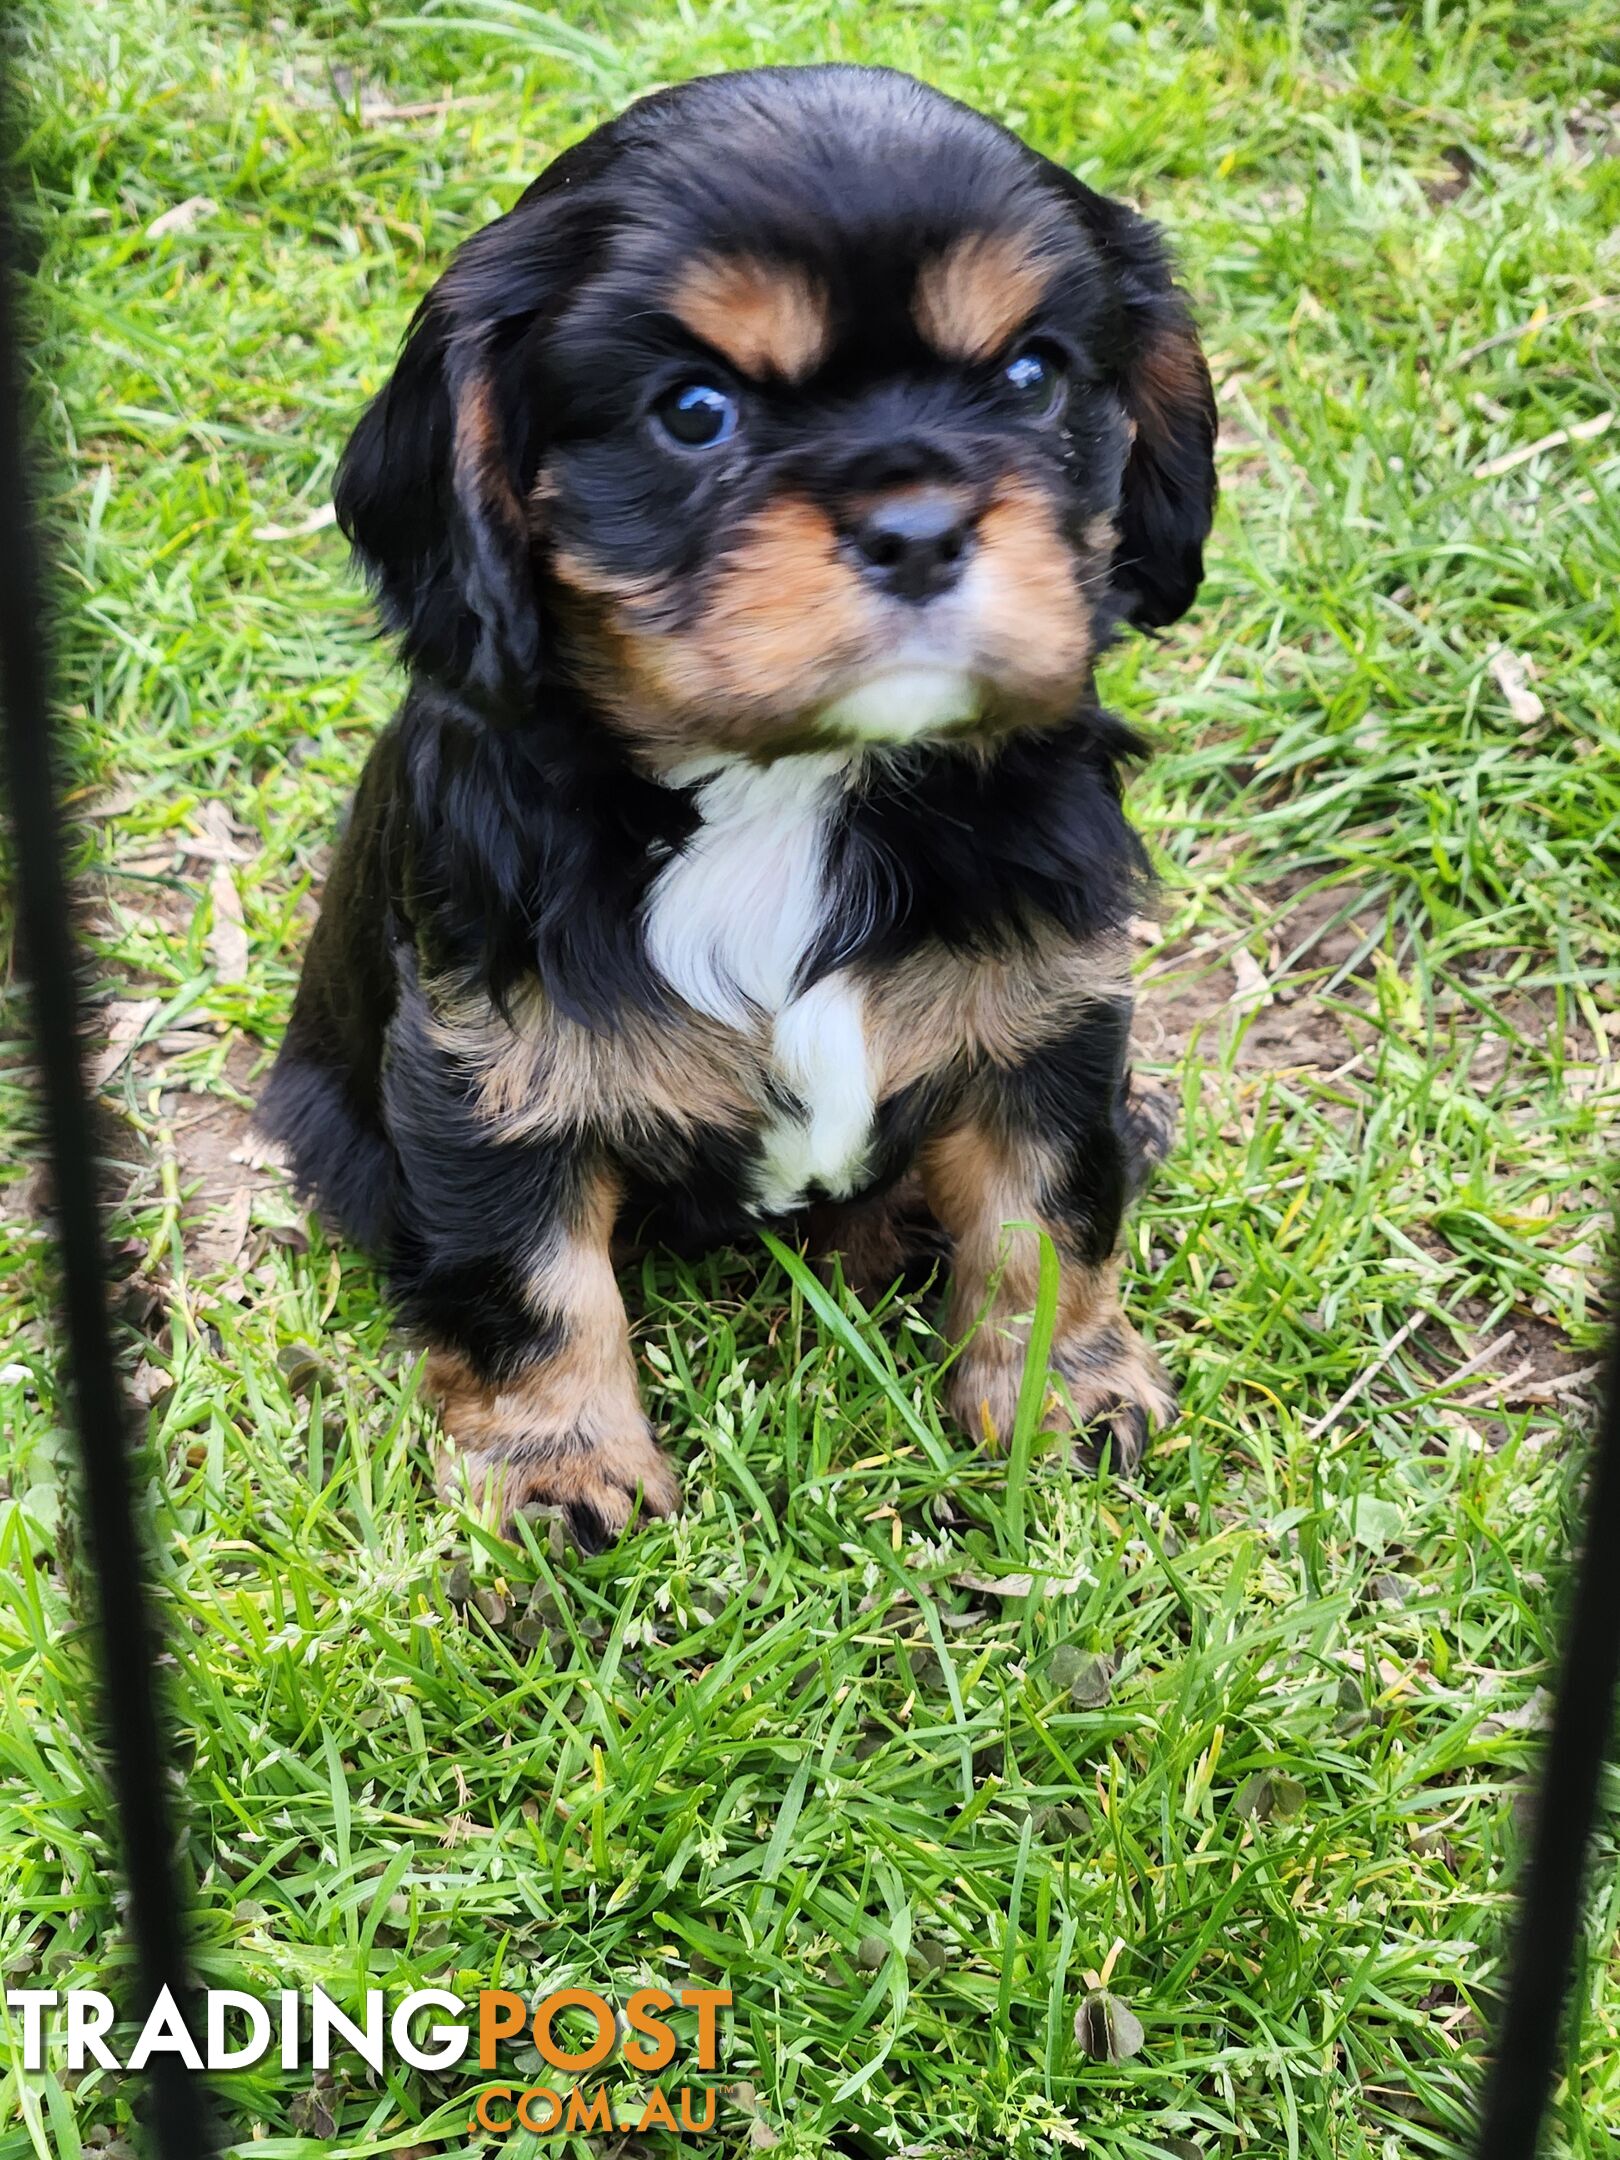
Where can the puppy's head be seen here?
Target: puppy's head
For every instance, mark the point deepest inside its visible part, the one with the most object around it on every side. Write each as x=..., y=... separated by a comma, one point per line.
x=791, y=409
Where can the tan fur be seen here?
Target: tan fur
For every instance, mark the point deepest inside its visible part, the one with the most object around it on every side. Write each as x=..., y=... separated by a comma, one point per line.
x=1169, y=381
x=570, y=1429
x=767, y=319
x=983, y=1186
x=937, y=1005
x=971, y=300
x=785, y=622
x=540, y=1072
x=1034, y=627
x=785, y=615
x=586, y=579
x=482, y=478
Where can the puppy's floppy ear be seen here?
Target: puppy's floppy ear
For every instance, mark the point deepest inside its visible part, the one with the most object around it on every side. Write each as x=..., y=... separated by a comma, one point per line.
x=428, y=495
x=430, y=489
x=1168, y=497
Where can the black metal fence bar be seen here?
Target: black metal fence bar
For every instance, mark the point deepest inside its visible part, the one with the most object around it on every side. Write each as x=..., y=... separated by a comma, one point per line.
x=126, y=1638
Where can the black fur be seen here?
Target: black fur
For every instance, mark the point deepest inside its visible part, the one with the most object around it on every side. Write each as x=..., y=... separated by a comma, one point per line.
x=1167, y=498
x=506, y=831
x=1076, y=1088
x=469, y=849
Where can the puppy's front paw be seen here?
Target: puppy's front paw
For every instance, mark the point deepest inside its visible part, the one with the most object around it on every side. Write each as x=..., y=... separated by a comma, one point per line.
x=600, y=1484
x=1111, y=1392
x=1107, y=1389
x=600, y=1465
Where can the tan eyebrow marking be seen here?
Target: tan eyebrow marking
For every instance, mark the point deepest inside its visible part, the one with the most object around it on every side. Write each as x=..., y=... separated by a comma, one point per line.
x=765, y=318
x=969, y=300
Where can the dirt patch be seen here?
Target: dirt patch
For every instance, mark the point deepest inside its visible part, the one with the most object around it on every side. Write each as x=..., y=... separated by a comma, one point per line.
x=1315, y=946
x=222, y=1165
x=200, y=1141
x=1541, y=1365
x=1183, y=998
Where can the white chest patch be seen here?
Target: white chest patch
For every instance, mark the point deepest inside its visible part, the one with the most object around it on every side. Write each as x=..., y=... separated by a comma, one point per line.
x=729, y=922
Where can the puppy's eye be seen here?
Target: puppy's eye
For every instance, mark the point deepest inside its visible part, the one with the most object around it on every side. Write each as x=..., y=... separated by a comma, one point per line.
x=697, y=415
x=1037, y=378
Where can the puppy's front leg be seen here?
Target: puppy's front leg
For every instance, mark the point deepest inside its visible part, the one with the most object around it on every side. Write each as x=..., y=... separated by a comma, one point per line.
x=1055, y=1143
x=540, y=1395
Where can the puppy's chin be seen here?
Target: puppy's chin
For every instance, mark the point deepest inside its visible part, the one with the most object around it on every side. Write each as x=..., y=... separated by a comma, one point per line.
x=904, y=703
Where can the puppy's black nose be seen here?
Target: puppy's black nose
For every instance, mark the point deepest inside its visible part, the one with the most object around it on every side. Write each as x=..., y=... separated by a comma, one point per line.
x=915, y=542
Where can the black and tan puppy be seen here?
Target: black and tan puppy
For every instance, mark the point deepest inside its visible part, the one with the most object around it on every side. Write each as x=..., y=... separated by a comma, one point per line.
x=752, y=502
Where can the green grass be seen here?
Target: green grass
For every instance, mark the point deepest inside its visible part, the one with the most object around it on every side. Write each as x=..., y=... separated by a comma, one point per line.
x=792, y=1738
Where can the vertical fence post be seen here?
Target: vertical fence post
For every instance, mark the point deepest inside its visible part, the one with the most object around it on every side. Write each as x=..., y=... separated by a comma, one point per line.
x=126, y=1638
x=1525, y=2057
